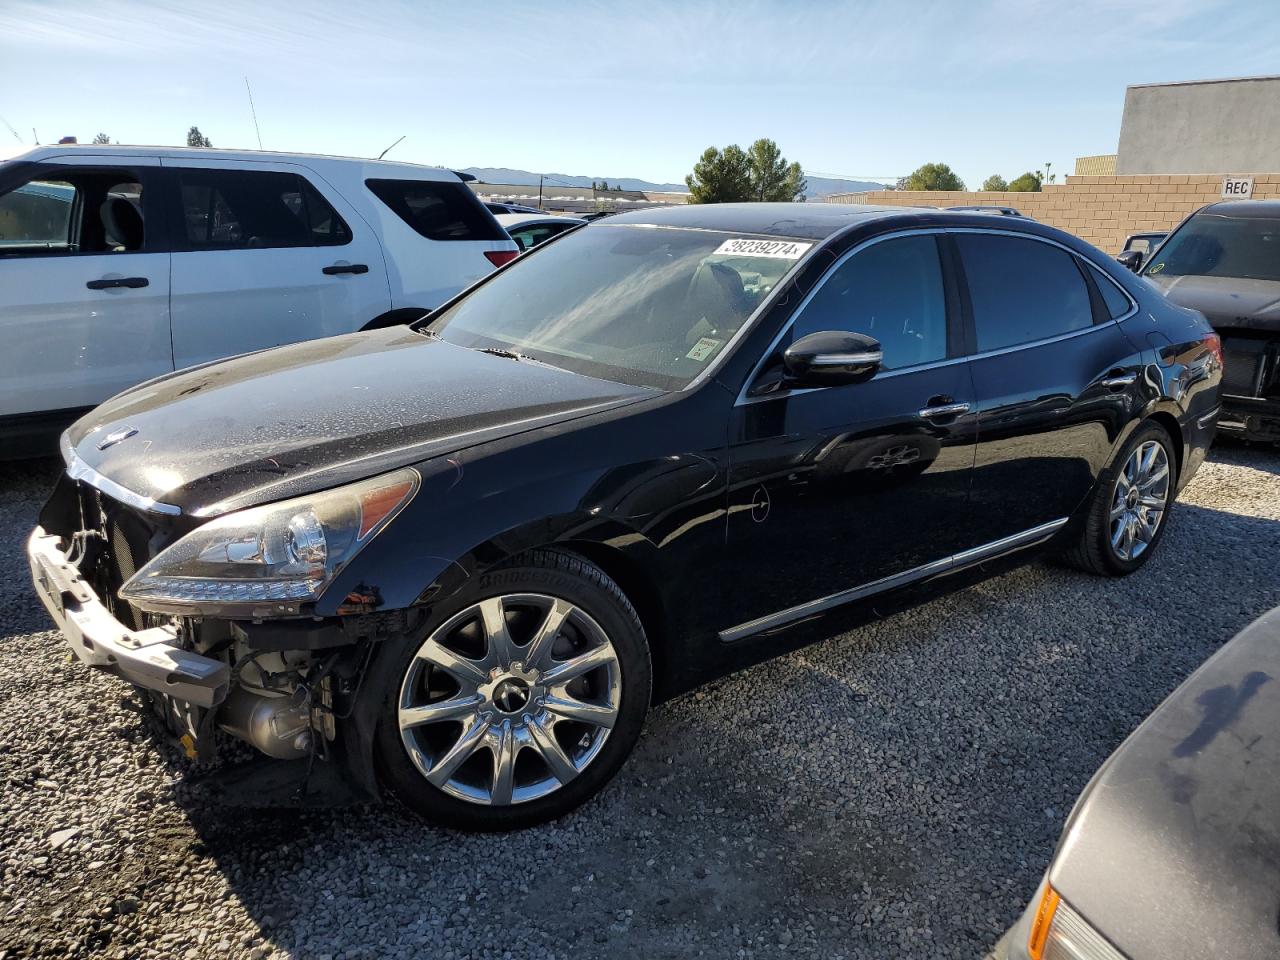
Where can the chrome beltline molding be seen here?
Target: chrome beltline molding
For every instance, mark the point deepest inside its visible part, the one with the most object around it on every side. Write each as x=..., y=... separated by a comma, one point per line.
x=958, y=561
x=77, y=469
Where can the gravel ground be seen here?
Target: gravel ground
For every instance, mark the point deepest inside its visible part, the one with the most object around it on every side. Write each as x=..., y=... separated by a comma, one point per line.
x=894, y=791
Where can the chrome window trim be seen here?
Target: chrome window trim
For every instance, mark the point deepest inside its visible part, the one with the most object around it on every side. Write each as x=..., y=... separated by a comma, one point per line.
x=951, y=564
x=77, y=469
x=743, y=399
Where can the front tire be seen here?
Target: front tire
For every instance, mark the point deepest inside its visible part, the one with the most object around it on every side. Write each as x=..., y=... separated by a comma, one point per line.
x=1130, y=506
x=520, y=701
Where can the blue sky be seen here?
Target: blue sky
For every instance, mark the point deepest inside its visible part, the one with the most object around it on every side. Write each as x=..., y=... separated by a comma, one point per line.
x=867, y=89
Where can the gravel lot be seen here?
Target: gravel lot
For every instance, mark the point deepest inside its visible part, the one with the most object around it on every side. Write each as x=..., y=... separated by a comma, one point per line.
x=894, y=791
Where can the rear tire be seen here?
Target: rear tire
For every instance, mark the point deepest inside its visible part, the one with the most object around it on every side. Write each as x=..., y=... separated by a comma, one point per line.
x=1130, y=506
x=521, y=699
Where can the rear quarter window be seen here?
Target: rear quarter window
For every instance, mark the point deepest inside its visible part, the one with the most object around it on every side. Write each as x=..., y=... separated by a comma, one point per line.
x=438, y=209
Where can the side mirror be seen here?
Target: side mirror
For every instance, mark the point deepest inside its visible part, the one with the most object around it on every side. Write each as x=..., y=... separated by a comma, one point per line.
x=1132, y=259
x=830, y=358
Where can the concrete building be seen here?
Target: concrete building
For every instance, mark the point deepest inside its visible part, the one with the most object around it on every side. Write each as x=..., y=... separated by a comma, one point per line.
x=1201, y=127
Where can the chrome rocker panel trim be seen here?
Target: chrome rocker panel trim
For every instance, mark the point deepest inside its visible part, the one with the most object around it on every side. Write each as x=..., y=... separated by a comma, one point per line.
x=958, y=561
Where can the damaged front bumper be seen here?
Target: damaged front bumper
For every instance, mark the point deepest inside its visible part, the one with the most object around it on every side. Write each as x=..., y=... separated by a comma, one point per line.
x=151, y=658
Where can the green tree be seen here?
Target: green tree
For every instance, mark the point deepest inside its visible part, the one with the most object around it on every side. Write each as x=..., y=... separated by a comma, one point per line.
x=772, y=178
x=721, y=176
x=1027, y=183
x=197, y=139
x=934, y=176
x=734, y=175
x=995, y=182
x=102, y=138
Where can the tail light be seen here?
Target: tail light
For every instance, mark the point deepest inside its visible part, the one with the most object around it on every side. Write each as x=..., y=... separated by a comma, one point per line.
x=1214, y=343
x=499, y=257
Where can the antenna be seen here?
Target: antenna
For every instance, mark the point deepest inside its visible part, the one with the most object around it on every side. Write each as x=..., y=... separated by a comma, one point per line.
x=254, y=112
x=13, y=131
x=388, y=150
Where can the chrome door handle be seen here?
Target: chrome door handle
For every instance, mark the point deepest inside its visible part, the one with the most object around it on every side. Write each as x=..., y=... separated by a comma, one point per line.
x=944, y=410
x=1119, y=380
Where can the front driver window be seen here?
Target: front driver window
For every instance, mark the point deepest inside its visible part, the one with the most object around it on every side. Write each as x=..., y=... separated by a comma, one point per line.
x=80, y=211
x=891, y=290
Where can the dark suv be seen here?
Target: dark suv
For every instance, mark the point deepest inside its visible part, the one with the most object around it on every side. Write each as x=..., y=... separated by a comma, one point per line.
x=1224, y=260
x=459, y=560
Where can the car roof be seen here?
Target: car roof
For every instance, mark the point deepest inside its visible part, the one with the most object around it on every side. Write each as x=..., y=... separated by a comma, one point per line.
x=318, y=160
x=1265, y=209
x=814, y=221
x=808, y=221
x=518, y=219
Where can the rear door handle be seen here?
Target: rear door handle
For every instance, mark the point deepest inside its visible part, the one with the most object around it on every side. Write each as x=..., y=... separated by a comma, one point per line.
x=944, y=410
x=1118, y=381
x=338, y=268
x=132, y=283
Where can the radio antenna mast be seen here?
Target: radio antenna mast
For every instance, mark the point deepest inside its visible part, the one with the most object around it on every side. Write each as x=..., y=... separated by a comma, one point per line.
x=254, y=112
x=388, y=150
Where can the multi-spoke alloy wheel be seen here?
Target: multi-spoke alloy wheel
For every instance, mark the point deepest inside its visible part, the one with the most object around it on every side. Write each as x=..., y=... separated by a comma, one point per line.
x=1139, y=500
x=510, y=699
x=1128, y=510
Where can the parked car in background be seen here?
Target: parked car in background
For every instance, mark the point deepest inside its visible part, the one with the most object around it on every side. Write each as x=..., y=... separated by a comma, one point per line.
x=118, y=264
x=497, y=208
x=983, y=208
x=530, y=229
x=1224, y=260
x=1171, y=851
x=459, y=560
x=1138, y=247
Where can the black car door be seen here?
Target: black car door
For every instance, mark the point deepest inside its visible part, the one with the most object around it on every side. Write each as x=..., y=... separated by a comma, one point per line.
x=834, y=489
x=1054, y=375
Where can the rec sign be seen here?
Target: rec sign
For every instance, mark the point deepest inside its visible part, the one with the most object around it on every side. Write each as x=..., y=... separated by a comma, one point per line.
x=1237, y=188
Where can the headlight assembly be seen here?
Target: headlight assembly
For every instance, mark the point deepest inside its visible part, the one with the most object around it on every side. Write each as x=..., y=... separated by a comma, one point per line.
x=269, y=559
x=1059, y=933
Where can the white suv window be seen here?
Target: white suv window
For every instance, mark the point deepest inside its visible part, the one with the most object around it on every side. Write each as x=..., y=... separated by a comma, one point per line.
x=85, y=211
x=254, y=209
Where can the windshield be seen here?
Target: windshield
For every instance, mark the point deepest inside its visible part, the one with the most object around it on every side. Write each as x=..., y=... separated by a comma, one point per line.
x=1211, y=245
x=648, y=306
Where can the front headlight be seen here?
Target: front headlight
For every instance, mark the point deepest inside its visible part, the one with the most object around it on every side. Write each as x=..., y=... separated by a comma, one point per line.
x=1059, y=933
x=269, y=559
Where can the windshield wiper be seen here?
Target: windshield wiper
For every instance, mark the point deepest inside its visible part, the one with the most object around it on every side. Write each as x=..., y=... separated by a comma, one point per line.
x=503, y=352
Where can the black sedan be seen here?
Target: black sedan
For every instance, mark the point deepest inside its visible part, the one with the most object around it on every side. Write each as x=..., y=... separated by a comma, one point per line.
x=1224, y=260
x=460, y=560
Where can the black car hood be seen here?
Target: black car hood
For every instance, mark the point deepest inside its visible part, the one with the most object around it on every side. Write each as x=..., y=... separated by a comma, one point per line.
x=1226, y=301
x=1174, y=849
x=312, y=415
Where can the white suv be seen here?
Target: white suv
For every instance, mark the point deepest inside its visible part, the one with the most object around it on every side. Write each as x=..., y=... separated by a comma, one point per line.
x=118, y=264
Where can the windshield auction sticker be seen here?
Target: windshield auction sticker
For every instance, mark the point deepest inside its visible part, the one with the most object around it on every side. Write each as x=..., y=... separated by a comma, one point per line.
x=772, y=249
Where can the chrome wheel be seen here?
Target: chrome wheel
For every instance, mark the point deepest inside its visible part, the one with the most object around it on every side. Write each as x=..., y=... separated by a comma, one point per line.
x=510, y=699
x=1140, y=500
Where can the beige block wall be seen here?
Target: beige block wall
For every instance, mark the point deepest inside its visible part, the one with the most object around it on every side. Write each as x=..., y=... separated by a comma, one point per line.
x=1103, y=210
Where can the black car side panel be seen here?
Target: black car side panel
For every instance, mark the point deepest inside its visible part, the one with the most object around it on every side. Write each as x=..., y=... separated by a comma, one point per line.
x=648, y=488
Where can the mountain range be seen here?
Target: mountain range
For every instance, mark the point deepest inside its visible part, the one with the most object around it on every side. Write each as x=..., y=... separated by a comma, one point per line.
x=818, y=186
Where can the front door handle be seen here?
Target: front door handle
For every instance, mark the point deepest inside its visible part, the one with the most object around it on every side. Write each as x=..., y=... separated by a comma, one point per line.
x=132, y=283
x=1118, y=381
x=338, y=268
x=944, y=410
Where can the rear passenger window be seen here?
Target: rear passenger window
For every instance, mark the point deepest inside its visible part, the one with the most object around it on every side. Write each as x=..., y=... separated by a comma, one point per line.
x=253, y=209
x=1022, y=290
x=892, y=291
x=438, y=209
x=1116, y=300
